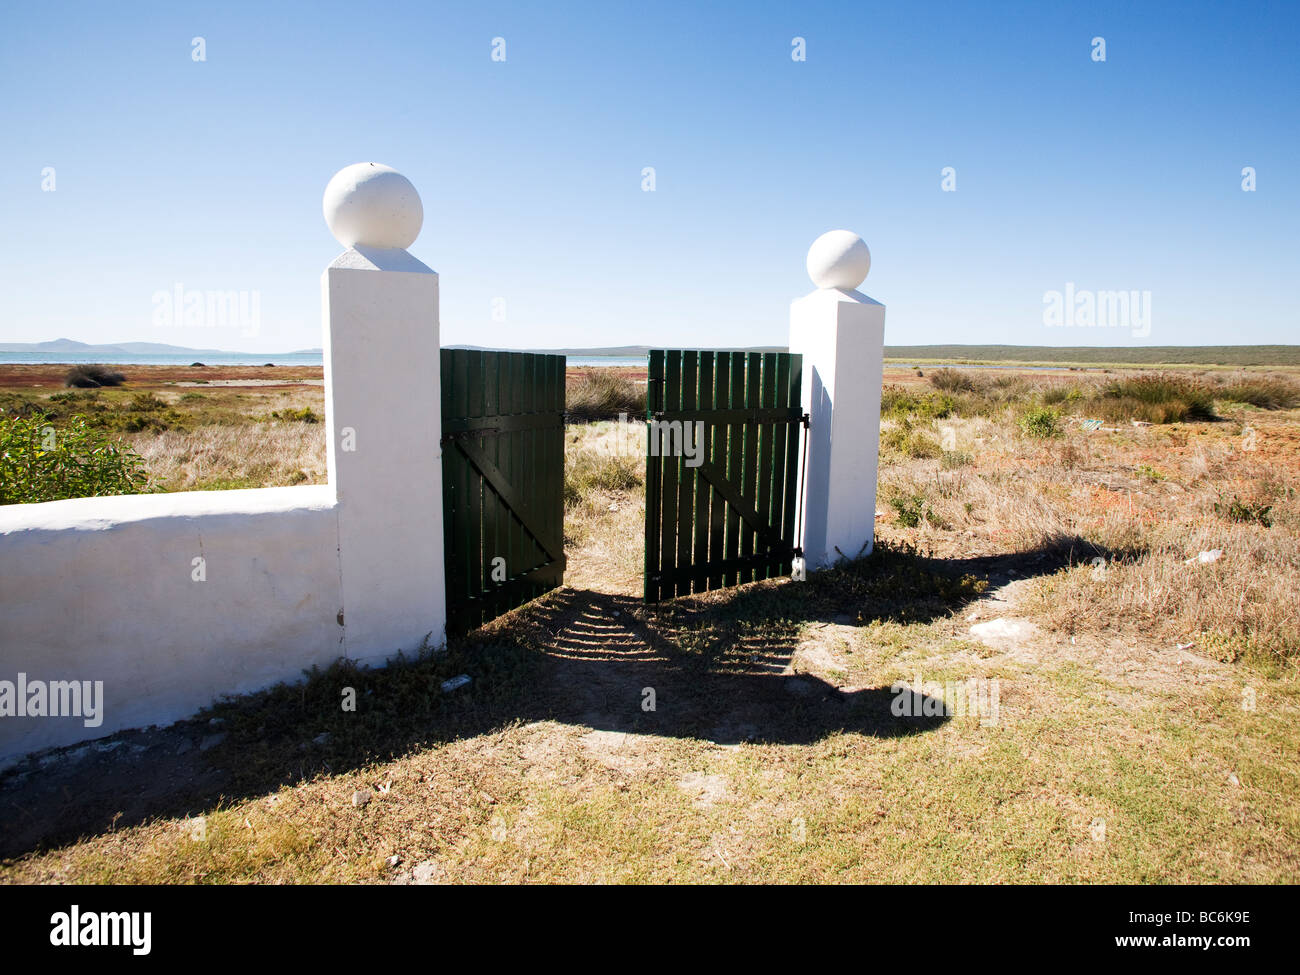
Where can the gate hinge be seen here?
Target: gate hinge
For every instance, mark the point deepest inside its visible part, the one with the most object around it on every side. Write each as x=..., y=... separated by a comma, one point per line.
x=806, y=420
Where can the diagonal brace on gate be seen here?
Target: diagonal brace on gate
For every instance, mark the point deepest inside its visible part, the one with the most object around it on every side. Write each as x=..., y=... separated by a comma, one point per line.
x=513, y=499
x=743, y=506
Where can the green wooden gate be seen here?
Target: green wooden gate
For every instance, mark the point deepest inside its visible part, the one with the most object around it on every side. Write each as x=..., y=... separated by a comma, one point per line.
x=720, y=510
x=502, y=481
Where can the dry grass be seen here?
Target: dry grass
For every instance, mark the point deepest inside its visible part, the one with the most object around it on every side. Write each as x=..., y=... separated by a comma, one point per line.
x=1134, y=506
x=202, y=437
x=772, y=756
x=223, y=458
x=604, y=509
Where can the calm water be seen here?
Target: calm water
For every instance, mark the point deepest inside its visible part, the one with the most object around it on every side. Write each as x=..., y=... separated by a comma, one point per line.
x=141, y=359
x=240, y=359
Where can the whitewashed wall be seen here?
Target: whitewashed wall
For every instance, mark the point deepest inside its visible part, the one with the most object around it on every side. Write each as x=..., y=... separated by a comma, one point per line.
x=107, y=589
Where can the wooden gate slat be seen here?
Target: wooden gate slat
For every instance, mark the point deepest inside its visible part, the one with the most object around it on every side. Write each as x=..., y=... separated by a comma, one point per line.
x=503, y=469
x=671, y=465
x=780, y=433
x=730, y=519
x=687, y=475
x=718, y=507
x=767, y=399
x=699, y=581
x=653, y=477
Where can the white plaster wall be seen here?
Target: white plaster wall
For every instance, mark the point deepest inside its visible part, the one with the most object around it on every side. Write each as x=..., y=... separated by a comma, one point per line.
x=98, y=589
x=103, y=589
x=383, y=366
x=840, y=335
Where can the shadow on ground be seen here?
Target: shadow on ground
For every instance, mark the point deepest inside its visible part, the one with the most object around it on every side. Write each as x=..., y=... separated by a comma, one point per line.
x=713, y=667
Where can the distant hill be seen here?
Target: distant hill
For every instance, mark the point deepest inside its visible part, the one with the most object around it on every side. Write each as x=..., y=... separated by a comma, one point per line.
x=1225, y=355
x=73, y=347
x=1208, y=355
x=619, y=351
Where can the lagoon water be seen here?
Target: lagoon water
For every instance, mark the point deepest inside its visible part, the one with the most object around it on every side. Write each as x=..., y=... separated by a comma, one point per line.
x=249, y=359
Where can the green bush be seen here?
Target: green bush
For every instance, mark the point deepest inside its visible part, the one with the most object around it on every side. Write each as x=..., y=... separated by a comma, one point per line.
x=288, y=415
x=912, y=509
x=41, y=463
x=904, y=440
x=896, y=401
x=1040, y=423
x=1244, y=511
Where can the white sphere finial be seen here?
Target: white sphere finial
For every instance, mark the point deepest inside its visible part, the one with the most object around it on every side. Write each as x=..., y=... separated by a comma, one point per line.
x=371, y=205
x=839, y=259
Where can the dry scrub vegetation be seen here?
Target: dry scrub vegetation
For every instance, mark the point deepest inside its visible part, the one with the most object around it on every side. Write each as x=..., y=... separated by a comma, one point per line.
x=1135, y=504
x=200, y=437
x=1148, y=707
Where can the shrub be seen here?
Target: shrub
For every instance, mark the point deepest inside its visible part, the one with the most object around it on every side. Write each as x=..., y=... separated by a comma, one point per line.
x=1156, y=399
x=41, y=463
x=289, y=415
x=1265, y=392
x=910, y=508
x=1149, y=472
x=146, y=403
x=1244, y=511
x=1062, y=395
x=896, y=401
x=952, y=381
x=91, y=376
x=588, y=472
x=1040, y=423
x=911, y=443
x=602, y=394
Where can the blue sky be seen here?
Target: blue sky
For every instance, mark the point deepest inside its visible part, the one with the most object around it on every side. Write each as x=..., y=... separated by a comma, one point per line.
x=1115, y=175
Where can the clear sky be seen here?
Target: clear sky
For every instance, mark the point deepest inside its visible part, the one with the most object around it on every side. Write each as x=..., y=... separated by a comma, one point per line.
x=1123, y=174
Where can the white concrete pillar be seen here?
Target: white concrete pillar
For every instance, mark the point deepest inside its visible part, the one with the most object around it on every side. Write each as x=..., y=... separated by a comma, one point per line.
x=384, y=417
x=841, y=334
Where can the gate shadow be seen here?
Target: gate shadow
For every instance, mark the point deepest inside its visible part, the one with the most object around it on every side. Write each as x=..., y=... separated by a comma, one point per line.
x=715, y=666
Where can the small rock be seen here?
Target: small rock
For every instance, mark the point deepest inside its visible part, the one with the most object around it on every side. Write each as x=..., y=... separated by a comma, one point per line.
x=216, y=722
x=1233, y=780
x=456, y=682
x=428, y=872
x=1002, y=630
x=322, y=739
x=393, y=861
x=107, y=746
x=185, y=746
x=613, y=507
x=360, y=797
x=212, y=741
